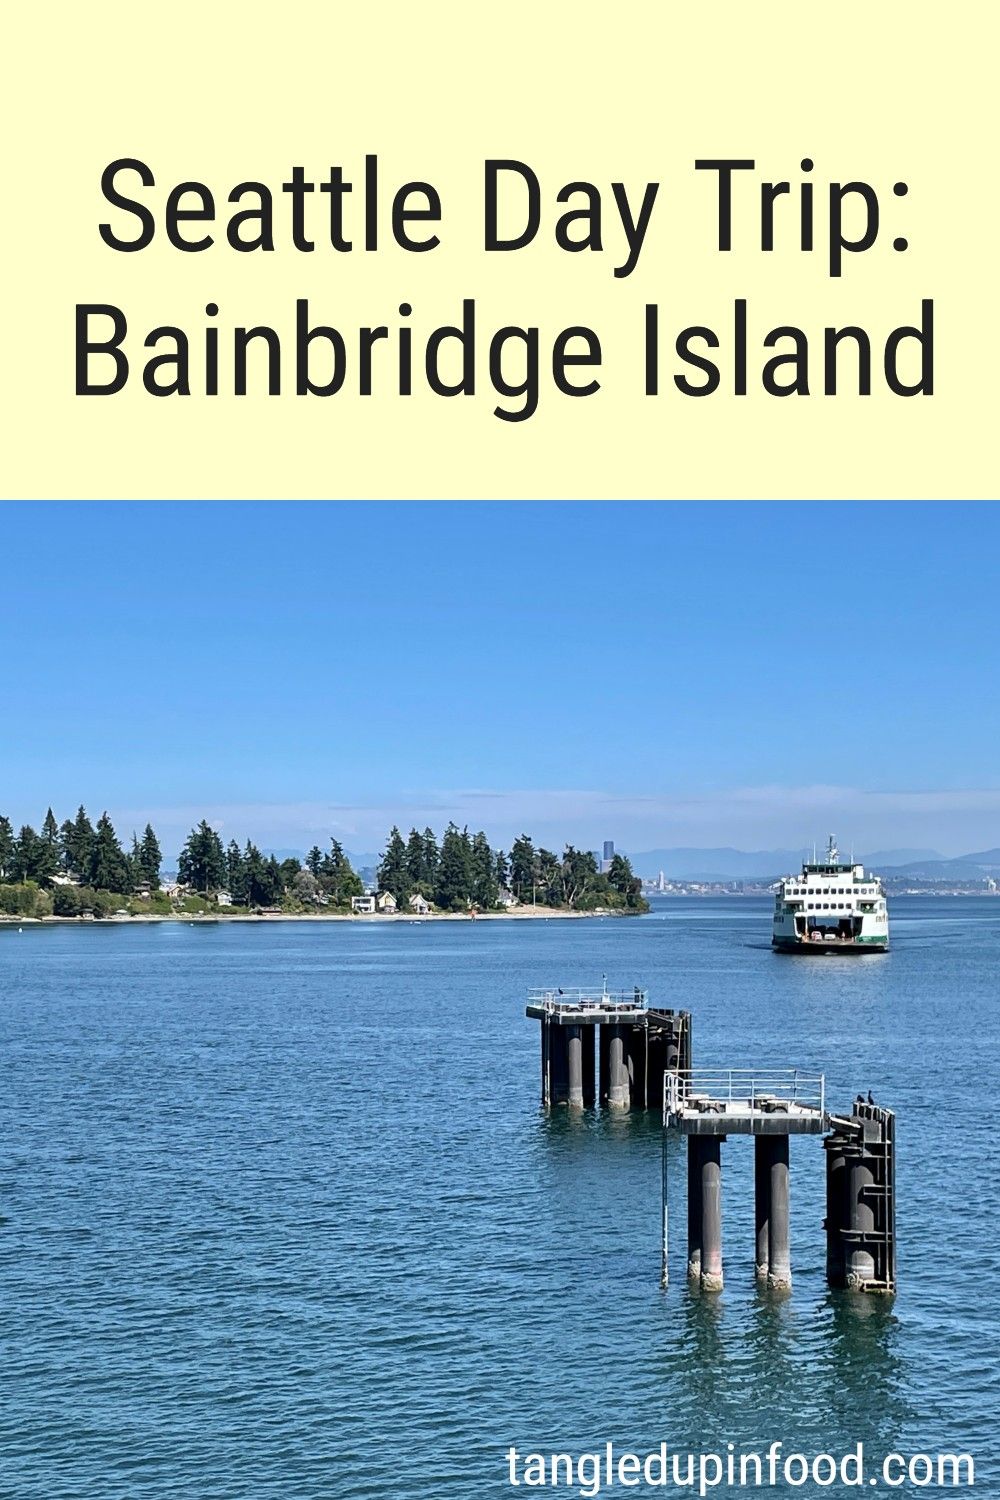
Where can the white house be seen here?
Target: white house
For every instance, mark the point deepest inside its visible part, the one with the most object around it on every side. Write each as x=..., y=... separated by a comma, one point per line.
x=386, y=901
x=507, y=899
x=173, y=889
x=64, y=880
x=223, y=898
x=363, y=904
x=419, y=906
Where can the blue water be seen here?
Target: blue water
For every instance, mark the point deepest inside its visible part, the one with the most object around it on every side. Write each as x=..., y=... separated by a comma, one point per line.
x=280, y=1214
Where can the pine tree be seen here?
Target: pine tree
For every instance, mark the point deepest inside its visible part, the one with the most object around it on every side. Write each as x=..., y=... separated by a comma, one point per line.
x=628, y=885
x=150, y=858
x=254, y=875
x=453, y=891
x=432, y=858
x=416, y=860
x=6, y=849
x=26, y=853
x=547, y=875
x=78, y=845
x=202, y=863
x=393, y=875
x=236, y=873
x=274, y=880
x=314, y=860
x=483, y=873
x=47, y=852
x=109, y=868
x=523, y=868
x=502, y=870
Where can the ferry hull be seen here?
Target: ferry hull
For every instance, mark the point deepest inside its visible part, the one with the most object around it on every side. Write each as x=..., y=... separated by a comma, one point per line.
x=830, y=945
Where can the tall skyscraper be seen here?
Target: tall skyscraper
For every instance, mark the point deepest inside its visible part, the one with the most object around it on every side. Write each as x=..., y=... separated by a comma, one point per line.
x=609, y=854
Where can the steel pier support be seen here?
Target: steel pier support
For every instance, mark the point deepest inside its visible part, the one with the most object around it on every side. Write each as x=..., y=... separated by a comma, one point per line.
x=837, y=1193
x=861, y=1224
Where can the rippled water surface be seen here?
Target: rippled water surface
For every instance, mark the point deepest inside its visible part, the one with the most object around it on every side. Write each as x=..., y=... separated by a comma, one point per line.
x=280, y=1214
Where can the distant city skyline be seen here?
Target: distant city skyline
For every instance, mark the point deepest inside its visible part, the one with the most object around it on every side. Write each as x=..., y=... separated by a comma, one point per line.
x=745, y=675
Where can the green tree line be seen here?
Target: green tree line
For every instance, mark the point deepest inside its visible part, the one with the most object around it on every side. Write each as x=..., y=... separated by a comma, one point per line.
x=459, y=872
x=464, y=872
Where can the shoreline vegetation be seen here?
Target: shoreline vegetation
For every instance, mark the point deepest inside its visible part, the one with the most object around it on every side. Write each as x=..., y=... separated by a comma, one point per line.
x=80, y=871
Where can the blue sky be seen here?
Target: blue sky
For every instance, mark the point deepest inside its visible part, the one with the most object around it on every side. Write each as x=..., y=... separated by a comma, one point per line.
x=662, y=674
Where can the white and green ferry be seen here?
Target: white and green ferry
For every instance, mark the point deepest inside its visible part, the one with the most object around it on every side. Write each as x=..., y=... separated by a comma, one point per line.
x=830, y=908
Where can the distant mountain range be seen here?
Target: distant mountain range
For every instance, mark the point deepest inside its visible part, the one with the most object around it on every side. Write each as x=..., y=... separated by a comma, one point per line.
x=738, y=864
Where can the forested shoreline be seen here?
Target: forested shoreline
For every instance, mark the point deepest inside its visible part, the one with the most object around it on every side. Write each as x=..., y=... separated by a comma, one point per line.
x=78, y=868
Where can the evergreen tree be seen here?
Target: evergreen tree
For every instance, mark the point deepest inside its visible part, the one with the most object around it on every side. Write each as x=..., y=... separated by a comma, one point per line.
x=78, y=845
x=255, y=875
x=483, y=871
x=502, y=871
x=453, y=891
x=627, y=884
x=109, y=868
x=202, y=863
x=47, y=850
x=314, y=860
x=27, y=853
x=6, y=849
x=416, y=859
x=236, y=874
x=393, y=875
x=432, y=858
x=337, y=878
x=150, y=858
x=274, y=881
x=523, y=868
x=547, y=874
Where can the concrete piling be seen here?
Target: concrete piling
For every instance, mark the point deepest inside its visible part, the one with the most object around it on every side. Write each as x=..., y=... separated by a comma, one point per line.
x=711, y=1213
x=558, y=1066
x=574, y=1050
x=694, y=1233
x=589, y=1080
x=779, y=1266
x=762, y=1205
x=636, y=1043
x=618, y=1089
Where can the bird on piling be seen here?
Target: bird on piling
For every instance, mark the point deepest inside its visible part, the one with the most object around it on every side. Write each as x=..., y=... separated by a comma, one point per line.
x=870, y=1099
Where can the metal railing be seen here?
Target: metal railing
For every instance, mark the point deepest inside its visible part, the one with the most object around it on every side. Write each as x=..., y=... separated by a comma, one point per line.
x=588, y=999
x=760, y=1090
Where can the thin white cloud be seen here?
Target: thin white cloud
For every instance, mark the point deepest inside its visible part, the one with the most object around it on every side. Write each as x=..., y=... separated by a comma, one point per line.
x=953, y=820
